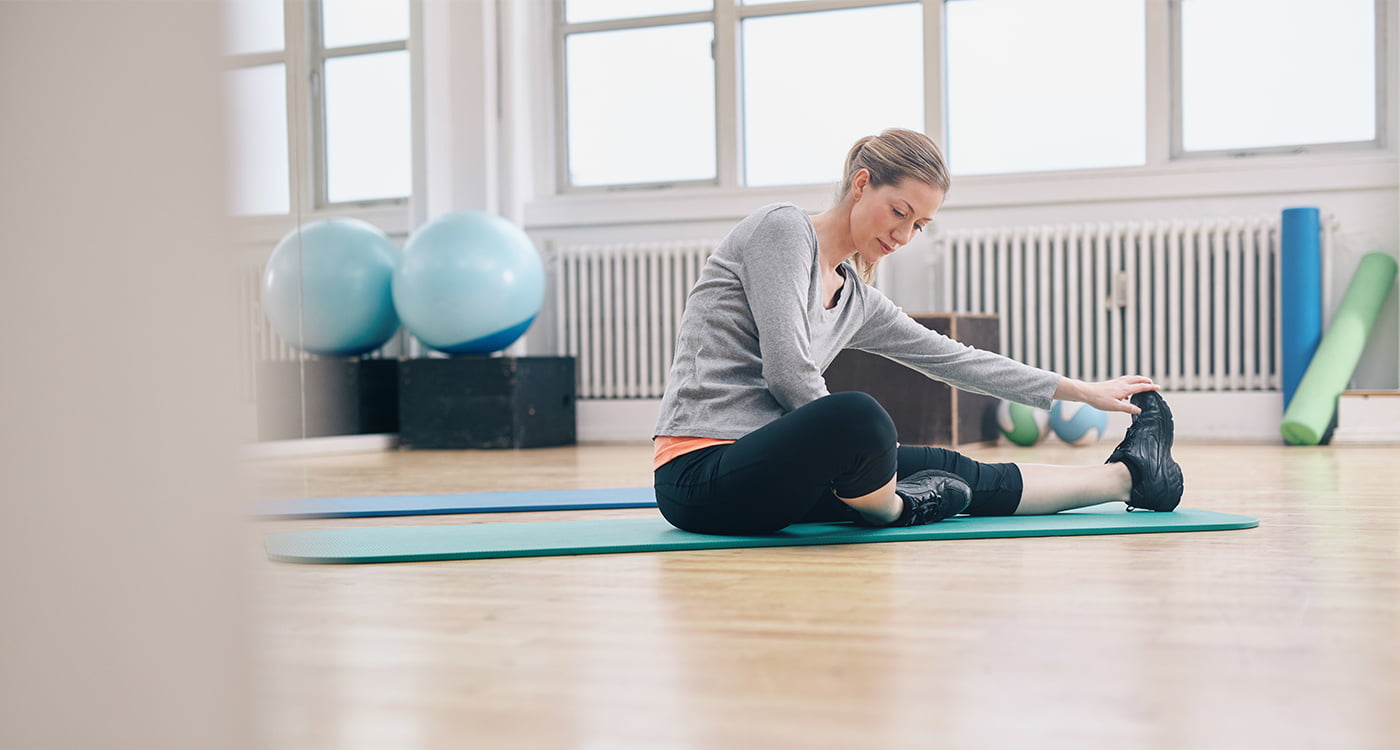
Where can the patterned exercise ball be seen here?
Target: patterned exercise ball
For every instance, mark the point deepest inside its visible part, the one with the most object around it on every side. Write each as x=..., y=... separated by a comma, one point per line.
x=1076, y=423
x=326, y=288
x=469, y=283
x=1021, y=424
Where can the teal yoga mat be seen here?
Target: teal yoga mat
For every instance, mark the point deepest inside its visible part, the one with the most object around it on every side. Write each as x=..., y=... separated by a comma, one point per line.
x=488, y=540
x=446, y=504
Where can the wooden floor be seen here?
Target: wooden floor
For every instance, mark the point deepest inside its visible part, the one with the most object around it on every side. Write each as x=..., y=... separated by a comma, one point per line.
x=1284, y=636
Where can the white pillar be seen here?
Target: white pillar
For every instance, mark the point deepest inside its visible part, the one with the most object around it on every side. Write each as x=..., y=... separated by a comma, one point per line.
x=122, y=552
x=456, y=158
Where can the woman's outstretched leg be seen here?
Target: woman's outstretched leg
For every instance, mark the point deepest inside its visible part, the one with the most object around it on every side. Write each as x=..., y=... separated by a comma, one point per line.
x=1140, y=472
x=1051, y=489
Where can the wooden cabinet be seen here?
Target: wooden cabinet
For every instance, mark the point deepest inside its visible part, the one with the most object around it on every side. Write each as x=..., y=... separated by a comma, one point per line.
x=925, y=411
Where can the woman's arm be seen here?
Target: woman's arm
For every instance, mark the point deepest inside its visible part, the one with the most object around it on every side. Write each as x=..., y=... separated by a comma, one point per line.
x=889, y=332
x=895, y=335
x=776, y=273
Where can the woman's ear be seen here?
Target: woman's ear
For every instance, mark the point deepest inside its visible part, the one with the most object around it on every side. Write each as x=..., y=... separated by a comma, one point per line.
x=859, y=182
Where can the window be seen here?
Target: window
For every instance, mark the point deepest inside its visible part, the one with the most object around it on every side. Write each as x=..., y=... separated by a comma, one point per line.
x=648, y=100
x=795, y=132
x=257, y=149
x=255, y=91
x=365, y=113
x=358, y=146
x=641, y=105
x=584, y=11
x=253, y=27
x=757, y=93
x=1261, y=74
x=1034, y=86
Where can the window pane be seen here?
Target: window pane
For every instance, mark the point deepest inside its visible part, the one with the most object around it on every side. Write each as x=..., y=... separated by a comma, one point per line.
x=583, y=11
x=368, y=142
x=349, y=22
x=257, y=149
x=1259, y=73
x=641, y=105
x=1038, y=86
x=805, y=102
x=252, y=26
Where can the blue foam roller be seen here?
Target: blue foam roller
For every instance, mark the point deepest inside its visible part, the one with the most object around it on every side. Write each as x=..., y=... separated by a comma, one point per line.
x=1300, y=271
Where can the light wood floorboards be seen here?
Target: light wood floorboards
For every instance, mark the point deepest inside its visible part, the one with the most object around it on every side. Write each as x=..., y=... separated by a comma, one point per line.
x=1284, y=636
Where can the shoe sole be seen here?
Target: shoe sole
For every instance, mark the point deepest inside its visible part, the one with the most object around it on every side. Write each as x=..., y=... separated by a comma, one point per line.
x=1175, y=482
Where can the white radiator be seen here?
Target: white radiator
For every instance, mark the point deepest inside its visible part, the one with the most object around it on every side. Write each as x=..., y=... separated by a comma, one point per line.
x=1192, y=304
x=619, y=308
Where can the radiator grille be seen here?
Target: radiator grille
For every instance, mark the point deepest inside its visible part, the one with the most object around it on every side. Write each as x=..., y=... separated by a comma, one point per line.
x=1191, y=304
x=619, y=309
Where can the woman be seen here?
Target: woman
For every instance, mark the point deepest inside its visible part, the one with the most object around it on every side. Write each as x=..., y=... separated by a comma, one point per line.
x=749, y=441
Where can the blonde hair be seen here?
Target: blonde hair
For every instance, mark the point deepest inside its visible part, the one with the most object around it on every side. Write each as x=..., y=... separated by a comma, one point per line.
x=890, y=157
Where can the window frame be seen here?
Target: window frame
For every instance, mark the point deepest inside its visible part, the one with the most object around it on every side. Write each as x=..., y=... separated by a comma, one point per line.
x=1178, y=152
x=1153, y=71
x=317, y=56
x=292, y=25
x=303, y=57
x=726, y=18
x=1164, y=156
x=563, y=30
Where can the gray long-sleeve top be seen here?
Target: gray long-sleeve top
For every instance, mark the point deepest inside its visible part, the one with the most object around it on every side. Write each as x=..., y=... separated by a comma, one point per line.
x=755, y=337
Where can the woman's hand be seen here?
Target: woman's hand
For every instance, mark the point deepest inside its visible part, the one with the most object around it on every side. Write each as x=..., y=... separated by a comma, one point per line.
x=1107, y=395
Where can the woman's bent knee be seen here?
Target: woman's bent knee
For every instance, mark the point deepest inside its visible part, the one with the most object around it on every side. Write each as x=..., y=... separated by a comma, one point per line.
x=860, y=417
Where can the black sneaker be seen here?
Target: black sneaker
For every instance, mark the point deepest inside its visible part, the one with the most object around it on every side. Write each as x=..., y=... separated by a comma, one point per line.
x=931, y=495
x=1147, y=452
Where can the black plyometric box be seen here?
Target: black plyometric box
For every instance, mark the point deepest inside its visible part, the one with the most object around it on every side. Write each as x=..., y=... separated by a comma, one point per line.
x=486, y=402
x=334, y=395
x=379, y=396
x=925, y=411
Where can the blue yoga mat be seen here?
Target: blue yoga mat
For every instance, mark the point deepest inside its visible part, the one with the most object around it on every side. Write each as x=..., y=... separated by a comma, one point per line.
x=471, y=502
x=1300, y=286
x=491, y=540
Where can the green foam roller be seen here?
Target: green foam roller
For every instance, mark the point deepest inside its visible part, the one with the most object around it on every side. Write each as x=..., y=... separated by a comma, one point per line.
x=1315, y=402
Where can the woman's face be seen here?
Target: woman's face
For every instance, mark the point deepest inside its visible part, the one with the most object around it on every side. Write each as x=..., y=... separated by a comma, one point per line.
x=885, y=218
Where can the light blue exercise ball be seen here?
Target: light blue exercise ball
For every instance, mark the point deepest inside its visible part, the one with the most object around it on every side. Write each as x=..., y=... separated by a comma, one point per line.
x=327, y=288
x=469, y=283
x=1077, y=424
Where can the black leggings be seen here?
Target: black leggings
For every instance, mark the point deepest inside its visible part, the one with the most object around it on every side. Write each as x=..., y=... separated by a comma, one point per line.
x=792, y=470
